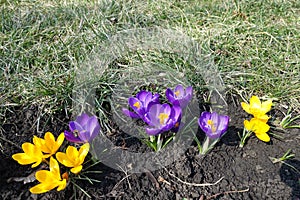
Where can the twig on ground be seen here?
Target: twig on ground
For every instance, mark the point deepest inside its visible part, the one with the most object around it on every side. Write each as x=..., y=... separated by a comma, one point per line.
x=194, y=184
x=126, y=177
x=153, y=179
x=10, y=142
x=227, y=192
x=115, y=187
x=161, y=179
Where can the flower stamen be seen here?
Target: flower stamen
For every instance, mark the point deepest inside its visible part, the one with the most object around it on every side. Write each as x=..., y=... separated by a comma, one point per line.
x=137, y=105
x=162, y=117
x=211, y=124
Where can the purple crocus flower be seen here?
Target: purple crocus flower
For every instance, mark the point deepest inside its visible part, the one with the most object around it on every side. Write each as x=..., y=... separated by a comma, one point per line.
x=180, y=96
x=213, y=125
x=83, y=130
x=162, y=117
x=140, y=104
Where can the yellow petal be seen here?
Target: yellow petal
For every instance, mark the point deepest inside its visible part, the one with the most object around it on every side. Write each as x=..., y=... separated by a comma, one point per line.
x=38, y=162
x=263, y=137
x=255, y=102
x=264, y=118
x=266, y=106
x=23, y=158
x=247, y=125
x=28, y=148
x=49, y=179
x=77, y=169
x=72, y=153
x=32, y=155
x=38, y=141
x=49, y=137
x=60, y=139
x=62, y=185
x=50, y=142
x=38, y=189
x=63, y=159
x=260, y=126
x=54, y=168
x=83, y=151
x=41, y=143
x=46, y=155
x=246, y=107
x=44, y=175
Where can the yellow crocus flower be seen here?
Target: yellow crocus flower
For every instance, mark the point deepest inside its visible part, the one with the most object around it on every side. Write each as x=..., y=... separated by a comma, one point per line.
x=48, y=145
x=49, y=179
x=259, y=127
x=73, y=158
x=257, y=108
x=32, y=154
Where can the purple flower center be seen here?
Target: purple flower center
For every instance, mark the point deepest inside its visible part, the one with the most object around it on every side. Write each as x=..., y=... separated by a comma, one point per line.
x=76, y=133
x=212, y=125
x=177, y=93
x=137, y=105
x=163, y=118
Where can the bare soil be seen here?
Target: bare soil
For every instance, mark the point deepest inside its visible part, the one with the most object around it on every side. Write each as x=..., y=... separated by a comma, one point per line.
x=248, y=173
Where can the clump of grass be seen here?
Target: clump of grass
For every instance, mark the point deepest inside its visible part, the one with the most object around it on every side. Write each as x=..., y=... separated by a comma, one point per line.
x=283, y=160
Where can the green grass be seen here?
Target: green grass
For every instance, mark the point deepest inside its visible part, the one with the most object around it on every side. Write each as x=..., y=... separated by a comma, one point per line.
x=255, y=45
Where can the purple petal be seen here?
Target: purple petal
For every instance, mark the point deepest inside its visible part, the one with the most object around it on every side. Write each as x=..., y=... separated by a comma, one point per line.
x=153, y=113
x=75, y=126
x=215, y=117
x=155, y=98
x=149, y=105
x=141, y=95
x=84, y=135
x=177, y=113
x=183, y=102
x=82, y=119
x=147, y=99
x=179, y=89
x=153, y=131
x=129, y=113
x=169, y=125
x=205, y=116
x=223, y=123
x=170, y=96
x=189, y=92
x=214, y=135
x=179, y=126
x=70, y=137
x=202, y=121
x=176, y=119
x=165, y=108
x=132, y=101
x=93, y=127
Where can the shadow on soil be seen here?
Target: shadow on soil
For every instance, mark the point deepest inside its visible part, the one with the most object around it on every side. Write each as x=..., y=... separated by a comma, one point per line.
x=290, y=175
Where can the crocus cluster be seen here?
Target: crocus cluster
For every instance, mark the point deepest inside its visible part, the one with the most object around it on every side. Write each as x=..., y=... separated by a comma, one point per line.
x=258, y=124
x=159, y=117
x=44, y=150
x=167, y=117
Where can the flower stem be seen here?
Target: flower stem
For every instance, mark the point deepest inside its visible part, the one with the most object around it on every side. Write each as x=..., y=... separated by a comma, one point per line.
x=208, y=145
x=245, y=136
